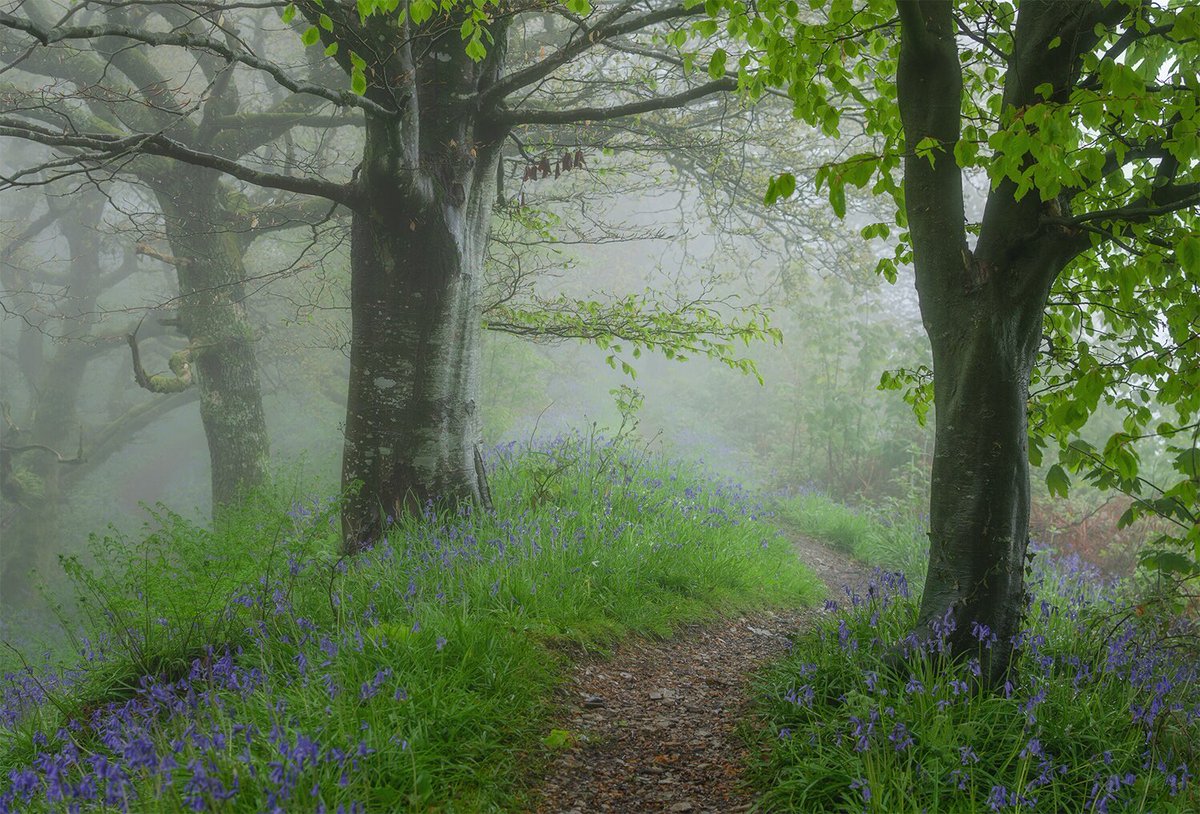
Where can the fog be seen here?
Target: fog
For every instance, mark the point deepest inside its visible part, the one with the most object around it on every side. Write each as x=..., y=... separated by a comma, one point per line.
x=666, y=208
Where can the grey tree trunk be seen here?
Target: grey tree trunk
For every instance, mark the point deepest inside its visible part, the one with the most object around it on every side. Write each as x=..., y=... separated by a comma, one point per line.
x=413, y=424
x=984, y=348
x=32, y=535
x=983, y=312
x=212, y=315
x=32, y=539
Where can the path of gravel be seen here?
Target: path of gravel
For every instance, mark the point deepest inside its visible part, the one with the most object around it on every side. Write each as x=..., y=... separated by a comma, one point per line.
x=656, y=719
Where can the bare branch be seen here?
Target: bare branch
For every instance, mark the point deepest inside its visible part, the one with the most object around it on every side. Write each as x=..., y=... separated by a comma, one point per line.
x=593, y=114
x=184, y=39
x=606, y=28
x=104, y=146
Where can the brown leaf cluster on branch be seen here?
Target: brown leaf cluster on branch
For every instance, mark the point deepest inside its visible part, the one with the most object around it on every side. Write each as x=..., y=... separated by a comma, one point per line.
x=542, y=169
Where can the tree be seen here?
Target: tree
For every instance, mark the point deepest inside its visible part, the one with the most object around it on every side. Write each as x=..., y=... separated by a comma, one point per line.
x=1082, y=115
x=59, y=308
x=436, y=112
x=113, y=92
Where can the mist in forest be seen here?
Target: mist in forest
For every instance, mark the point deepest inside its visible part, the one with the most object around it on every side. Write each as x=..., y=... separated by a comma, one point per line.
x=634, y=284
x=623, y=405
x=84, y=270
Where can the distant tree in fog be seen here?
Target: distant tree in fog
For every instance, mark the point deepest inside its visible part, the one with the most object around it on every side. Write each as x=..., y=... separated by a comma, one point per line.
x=436, y=112
x=88, y=94
x=46, y=446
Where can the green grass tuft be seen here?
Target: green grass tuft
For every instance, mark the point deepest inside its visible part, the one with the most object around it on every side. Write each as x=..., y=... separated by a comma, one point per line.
x=889, y=536
x=1103, y=714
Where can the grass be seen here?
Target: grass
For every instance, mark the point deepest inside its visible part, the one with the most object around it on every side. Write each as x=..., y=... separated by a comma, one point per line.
x=1103, y=713
x=247, y=668
x=890, y=535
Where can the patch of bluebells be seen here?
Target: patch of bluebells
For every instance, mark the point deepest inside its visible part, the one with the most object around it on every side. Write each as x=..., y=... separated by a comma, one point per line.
x=180, y=737
x=190, y=737
x=1088, y=677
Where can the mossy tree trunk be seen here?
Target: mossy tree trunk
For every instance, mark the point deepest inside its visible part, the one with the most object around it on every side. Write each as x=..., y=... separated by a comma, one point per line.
x=208, y=254
x=33, y=532
x=413, y=423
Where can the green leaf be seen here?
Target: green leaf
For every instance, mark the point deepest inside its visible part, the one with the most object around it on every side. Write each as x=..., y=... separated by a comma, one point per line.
x=858, y=169
x=781, y=186
x=476, y=50
x=358, y=82
x=559, y=739
x=310, y=36
x=716, y=64
x=289, y=13
x=1169, y=562
x=837, y=198
x=326, y=22
x=927, y=148
x=331, y=49
x=1188, y=462
x=1187, y=251
x=1057, y=481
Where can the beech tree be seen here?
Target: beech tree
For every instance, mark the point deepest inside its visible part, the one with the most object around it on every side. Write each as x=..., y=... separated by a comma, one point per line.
x=95, y=99
x=1081, y=275
x=436, y=110
x=58, y=307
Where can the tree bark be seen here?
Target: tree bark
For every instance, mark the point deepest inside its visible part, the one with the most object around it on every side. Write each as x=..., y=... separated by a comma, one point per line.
x=983, y=312
x=413, y=422
x=422, y=216
x=212, y=315
x=985, y=345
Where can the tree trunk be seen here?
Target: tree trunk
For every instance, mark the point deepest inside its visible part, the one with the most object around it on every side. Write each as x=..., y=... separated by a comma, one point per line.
x=55, y=381
x=34, y=530
x=212, y=314
x=985, y=344
x=413, y=423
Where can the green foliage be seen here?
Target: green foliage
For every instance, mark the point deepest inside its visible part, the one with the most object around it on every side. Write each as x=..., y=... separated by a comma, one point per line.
x=679, y=330
x=1113, y=157
x=889, y=534
x=858, y=724
x=158, y=599
x=431, y=658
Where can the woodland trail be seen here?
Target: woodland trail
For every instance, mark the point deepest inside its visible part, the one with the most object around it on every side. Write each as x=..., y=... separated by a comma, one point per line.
x=657, y=720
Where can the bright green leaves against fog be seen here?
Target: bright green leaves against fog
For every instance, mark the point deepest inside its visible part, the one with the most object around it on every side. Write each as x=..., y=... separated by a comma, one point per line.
x=1123, y=328
x=679, y=329
x=477, y=16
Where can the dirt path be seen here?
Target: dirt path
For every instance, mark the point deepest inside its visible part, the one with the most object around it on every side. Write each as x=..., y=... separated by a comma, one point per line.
x=657, y=719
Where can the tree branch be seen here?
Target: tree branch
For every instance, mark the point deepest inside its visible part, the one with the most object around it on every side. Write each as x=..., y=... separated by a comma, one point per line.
x=156, y=144
x=181, y=39
x=606, y=28
x=596, y=114
x=1173, y=198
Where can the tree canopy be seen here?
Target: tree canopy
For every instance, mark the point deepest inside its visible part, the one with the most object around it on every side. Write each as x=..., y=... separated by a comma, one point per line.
x=1081, y=121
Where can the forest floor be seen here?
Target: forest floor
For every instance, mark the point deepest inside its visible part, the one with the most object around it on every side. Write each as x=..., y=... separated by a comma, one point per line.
x=655, y=723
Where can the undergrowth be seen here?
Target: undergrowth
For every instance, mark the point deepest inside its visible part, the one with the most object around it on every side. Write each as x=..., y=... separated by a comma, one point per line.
x=1102, y=714
x=248, y=668
x=889, y=535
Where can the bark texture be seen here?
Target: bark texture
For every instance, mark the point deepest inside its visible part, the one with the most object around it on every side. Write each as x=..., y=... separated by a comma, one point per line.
x=212, y=315
x=427, y=181
x=983, y=312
